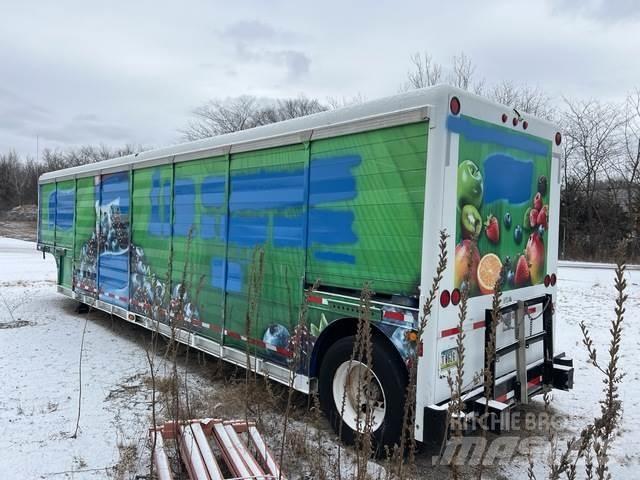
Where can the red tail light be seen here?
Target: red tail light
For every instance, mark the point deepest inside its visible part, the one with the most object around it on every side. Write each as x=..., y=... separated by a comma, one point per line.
x=558, y=138
x=547, y=280
x=445, y=298
x=505, y=117
x=525, y=124
x=454, y=105
x=553, y=279
x=515, y=121
x=455, y=297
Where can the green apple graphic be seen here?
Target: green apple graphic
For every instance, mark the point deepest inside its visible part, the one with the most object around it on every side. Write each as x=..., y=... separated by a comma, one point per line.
x=469, y=184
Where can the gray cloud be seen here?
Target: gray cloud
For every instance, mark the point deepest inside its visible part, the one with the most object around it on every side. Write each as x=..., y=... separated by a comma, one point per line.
x=256, y=42
x=27, y=119
x=17, y=112
x=251, y=31
x=139, y=81
x=599, y=10
x=84, y=128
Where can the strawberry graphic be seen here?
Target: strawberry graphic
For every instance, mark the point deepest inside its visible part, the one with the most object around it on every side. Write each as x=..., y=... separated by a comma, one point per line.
x=492, y=229
x=537, y=201
x=533, y=217
x=522, y=275
x=543, y=216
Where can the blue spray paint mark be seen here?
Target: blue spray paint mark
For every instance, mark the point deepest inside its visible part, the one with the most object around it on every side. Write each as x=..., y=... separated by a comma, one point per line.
x=184, y=204
x=160, y=221
x=287, y=231
x=212, y=195
x=267, y=190
x=331, y=179
x=506, y=178
x=331, y=227
x=335, y=257
x=248, y=231
x=268, y=206
x=481, y=133
x=219, y=269
x=212, y=191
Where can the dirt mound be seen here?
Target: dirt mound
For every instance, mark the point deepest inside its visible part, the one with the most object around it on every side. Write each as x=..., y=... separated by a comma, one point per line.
x=23, y=213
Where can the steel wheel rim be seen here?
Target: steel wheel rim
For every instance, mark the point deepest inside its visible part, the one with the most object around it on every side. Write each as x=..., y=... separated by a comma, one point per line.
x=348, y=379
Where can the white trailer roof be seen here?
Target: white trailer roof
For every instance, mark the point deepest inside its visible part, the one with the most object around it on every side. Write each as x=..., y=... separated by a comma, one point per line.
x=408, y=101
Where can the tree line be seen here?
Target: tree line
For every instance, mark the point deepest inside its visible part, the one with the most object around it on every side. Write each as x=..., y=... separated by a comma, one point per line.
x=600, y=196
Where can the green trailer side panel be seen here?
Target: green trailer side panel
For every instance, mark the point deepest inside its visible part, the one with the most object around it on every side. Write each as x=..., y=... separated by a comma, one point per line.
x=65, y=273
x=370, y=187
x=47, y=213
x=150, y=251
x=266, y=208
x=199, y=240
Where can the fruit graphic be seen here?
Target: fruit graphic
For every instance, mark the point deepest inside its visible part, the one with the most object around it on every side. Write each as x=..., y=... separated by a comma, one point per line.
x=533, y=218
x=471, y=222
x=469, y=184
x=492, y=229
x=466, y=262
x=542, y=216
x=507, y=220
x=525, y=219
x=537, y=201
x=276, y=335
x=542, y=185
x=489, y=270
x=517, y=234
x=521, y=276
x=535, y=256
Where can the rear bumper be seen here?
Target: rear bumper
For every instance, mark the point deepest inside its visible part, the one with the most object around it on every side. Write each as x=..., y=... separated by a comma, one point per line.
x=542, y=377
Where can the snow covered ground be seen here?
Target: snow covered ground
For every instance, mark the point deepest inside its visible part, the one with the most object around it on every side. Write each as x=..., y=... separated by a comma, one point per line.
x=40, y=336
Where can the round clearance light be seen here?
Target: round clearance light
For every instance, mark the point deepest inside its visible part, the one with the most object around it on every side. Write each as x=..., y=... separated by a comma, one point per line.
x=525, y=124
x=505, y=117
x=454, y=105
x=515, y=121
x=445, y=298
x=455, y=297
x=558, y=138
x=547, y=280
x=554, y=279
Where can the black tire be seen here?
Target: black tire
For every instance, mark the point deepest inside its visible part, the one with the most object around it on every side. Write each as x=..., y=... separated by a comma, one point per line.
x=392, y=376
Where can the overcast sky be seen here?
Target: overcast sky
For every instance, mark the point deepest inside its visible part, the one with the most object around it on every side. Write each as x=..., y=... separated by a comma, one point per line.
x=118, y=72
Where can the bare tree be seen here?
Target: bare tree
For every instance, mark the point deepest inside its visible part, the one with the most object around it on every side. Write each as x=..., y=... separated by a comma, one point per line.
x=19, y=176
x=333, y=103
x=424, y=72
x=523, y=98
x=592, y=134
x=217, y=117
x=462, y=71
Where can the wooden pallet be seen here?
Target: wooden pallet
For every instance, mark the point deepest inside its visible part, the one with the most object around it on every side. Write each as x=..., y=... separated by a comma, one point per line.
x=244, y=458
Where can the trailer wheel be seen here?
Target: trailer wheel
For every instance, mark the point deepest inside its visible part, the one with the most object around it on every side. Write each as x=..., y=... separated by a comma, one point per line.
x=345, y=398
